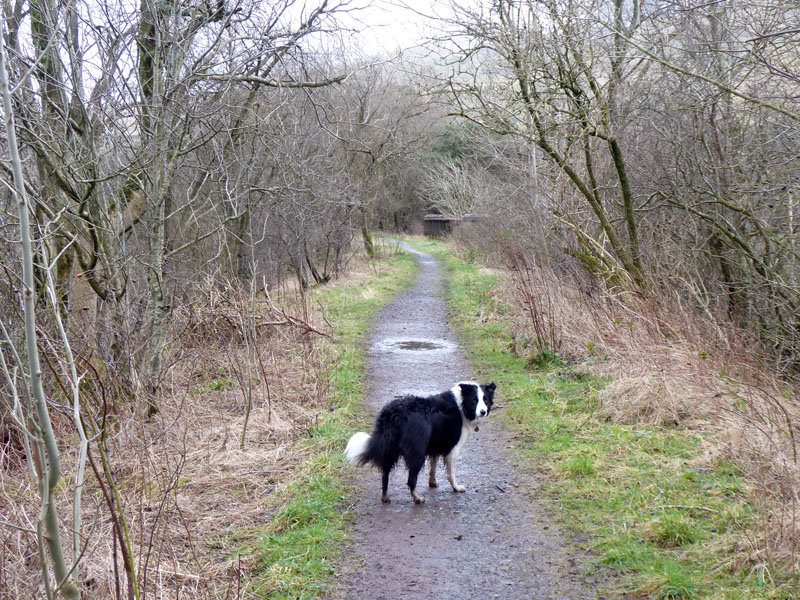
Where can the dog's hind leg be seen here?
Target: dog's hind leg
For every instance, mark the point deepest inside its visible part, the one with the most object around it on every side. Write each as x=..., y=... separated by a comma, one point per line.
x=385, y=484
x=415, y=464
x=413, y=445
x=450, y=463
x=434, y=461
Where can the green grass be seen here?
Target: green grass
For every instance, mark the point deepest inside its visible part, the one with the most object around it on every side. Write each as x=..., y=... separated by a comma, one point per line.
x=298, y=550
x=214, y=386
x=629, y=491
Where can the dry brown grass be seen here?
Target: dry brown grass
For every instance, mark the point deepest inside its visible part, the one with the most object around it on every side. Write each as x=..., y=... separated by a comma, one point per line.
x=189, y=490
x=668, y=363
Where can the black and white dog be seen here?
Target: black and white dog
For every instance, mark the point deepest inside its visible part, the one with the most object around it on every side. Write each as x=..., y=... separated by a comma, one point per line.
x=414, y=427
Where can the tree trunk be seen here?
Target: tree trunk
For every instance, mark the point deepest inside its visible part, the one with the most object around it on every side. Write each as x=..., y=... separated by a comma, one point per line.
x=243, y=247
x=366, y=237
x=47, y=459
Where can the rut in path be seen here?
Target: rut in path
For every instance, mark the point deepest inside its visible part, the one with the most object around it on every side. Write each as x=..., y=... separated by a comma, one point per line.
x=493, y=541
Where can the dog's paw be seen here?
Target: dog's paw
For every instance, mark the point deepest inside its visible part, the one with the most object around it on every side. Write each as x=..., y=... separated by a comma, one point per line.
x=418, y=499
x=385, y=499
x=460, y=489
x=432, y=482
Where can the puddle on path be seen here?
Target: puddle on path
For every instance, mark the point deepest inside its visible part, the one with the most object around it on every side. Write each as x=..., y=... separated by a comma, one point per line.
x=413, y=345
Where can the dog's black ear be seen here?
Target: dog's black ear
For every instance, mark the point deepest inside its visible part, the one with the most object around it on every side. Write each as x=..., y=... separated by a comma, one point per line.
x=491, y=387
x=469, y=399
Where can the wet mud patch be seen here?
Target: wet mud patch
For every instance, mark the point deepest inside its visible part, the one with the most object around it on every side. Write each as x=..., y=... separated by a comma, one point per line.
x=495, y=540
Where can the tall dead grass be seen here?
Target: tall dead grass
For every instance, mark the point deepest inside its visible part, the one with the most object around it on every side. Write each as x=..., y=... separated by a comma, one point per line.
x=187, y=480
x=670, y=363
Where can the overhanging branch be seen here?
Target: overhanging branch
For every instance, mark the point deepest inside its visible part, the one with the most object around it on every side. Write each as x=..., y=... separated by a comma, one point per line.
x=276, y=83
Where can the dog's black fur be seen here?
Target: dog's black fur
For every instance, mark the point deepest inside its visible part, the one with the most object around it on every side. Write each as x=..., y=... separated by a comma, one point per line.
x=415, y=427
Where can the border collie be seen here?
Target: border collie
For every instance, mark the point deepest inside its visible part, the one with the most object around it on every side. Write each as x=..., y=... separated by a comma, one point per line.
x=414, y=427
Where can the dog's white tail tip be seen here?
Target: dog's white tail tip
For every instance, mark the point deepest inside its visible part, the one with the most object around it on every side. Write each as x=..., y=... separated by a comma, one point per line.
x=356, y=447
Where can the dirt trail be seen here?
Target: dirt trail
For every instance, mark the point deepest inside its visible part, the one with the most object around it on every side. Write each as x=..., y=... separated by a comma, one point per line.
x=493, y=541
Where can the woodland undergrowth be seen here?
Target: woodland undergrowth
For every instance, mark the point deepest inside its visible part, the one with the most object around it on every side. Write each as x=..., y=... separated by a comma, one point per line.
x=192, y=485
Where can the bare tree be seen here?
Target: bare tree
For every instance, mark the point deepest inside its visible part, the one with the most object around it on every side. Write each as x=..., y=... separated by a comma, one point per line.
x=30, y=409
x=550, y=73
x=725, y=159
x=115, y=104
x=133, y=124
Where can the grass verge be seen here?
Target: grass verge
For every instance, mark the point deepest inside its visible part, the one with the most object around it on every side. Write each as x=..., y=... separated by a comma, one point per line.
x=298, y=550
x=630, y=494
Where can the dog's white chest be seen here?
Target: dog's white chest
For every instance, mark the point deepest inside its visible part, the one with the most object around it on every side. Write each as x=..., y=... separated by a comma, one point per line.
x=465, y=431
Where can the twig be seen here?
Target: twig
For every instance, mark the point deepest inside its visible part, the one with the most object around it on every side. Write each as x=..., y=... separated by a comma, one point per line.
x=288, y=319
x=686, y=507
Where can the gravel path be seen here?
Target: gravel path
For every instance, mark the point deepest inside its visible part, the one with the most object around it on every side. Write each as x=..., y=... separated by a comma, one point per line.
x=494, y=541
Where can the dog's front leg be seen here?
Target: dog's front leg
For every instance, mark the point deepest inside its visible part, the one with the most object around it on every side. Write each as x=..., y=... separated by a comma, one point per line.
x=434, y=460
x=450, y=463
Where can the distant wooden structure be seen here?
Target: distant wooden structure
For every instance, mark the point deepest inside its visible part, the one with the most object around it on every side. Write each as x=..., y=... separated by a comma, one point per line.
x=441, y=225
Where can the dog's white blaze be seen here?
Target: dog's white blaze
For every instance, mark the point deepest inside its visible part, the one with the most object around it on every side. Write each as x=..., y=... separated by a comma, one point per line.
x=456, y=390
x=481, y=405
x=356, y=447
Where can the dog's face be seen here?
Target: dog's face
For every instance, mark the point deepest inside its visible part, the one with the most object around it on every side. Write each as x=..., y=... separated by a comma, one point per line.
x=476, y=400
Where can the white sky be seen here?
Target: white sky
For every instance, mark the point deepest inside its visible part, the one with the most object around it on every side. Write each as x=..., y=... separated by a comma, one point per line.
x=391, y=25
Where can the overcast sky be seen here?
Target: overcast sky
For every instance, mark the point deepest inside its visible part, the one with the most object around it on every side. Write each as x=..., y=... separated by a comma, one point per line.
x=389, y=25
